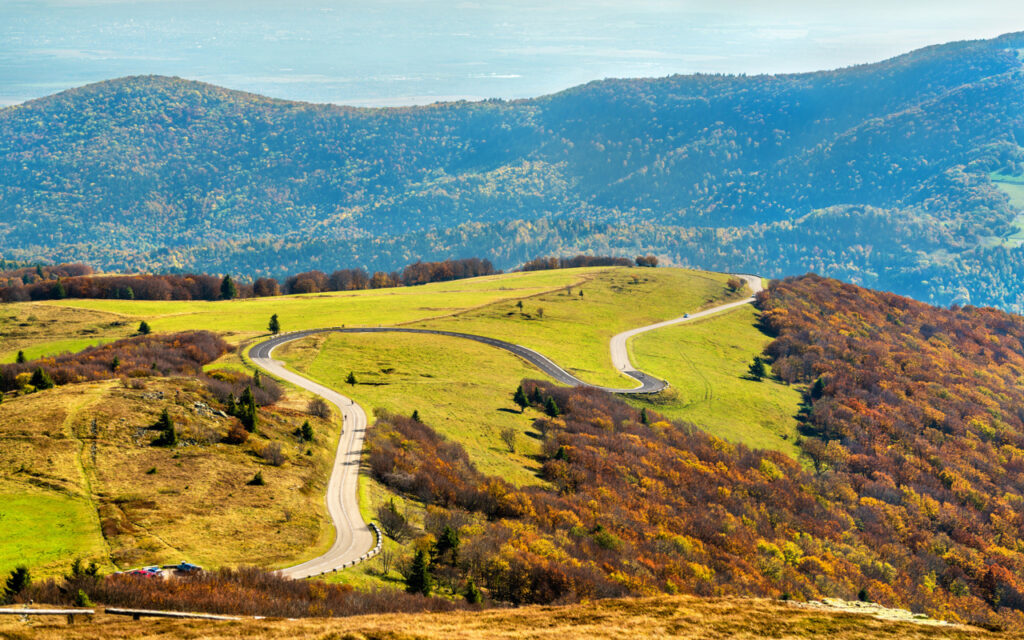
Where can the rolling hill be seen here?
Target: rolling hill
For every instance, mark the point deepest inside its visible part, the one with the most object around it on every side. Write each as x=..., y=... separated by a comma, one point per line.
x=879, y=174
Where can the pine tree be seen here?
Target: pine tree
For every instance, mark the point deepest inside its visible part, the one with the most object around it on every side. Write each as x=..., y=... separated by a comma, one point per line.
x=419, y=579
x=168, y=434
x=232, y=408
x=21, y=357
x=144, y=328
x=446, y=549
x=536, y=397
x=18, y=581
x=246, y=410
x=351, y=378
x=41, y=380
x=306, y=431
x=551, y=407
x=228, y=290
x=59, y=292
x=275, y=325
x=757, y=369
x=472, y=593
x=415, y=415
x=519, y=397
x=115, y=363
x=257, y=480
x=643, y=416
x=257, y=380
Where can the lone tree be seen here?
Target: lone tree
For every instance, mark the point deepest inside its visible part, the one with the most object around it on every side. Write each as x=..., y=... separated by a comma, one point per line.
x=18, y=581
x=257, y=480
x=508, y=436
x=734, y=284
x=144, y=328
x=643, y=416
x=306, y=431
x=168, y=434
x=41, y=380
x=419, y=579
x=416, y=415
x=246, y=410
x=351, y=378
x=519, y=397
x=21, y=357
x=757, y=369
x=551, y=407
x=228, y=290
x=275, y=325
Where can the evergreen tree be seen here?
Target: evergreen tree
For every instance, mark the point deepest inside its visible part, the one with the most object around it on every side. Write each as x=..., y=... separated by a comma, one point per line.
x=144, y=328
x=168, y=434
x=472, y=593
x=257, y=480
x=446, y=549
x=18, y=581
x=228, y=290
x=536, y=397
x=351, y=378
x=41, y=380
x=275, y=324
x=232, y=408
x=519, y=397
x=643, y=416
x=551, y=407
x=115, y=363
x=246, y=410
x=757, y=369
x=257, y=380
x=59, y=293
x=21, y=357
x=415, y=415
x=306, y=431
x=419, y=579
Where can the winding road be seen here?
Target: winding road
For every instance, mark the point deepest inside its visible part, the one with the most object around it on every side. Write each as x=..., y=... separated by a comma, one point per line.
x=354, y=536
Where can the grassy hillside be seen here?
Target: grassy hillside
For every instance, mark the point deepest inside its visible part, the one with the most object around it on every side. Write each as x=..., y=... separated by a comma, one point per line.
x=42, y=328
x=81, y=479
x=677, y=617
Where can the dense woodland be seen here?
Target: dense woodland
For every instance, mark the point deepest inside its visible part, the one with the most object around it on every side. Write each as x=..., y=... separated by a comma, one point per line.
x=910, y=491
x=773, y=174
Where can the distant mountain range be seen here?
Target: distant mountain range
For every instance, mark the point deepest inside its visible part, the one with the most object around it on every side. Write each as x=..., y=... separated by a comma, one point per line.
x=897, y=175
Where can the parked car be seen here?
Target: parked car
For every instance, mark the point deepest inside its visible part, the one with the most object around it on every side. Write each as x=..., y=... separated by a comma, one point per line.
x=188, y=567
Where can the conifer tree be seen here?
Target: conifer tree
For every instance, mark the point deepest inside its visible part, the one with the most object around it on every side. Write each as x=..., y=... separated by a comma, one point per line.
x=419, y=579
x=18, y=581
x=757, y=369
x=519, y=397
x=275, y=325
x=41, y=380
x=21, y=357
x=415, y=415
x=306, y=431
x=351, y=378
x=228, y=290
x=144, y=328
x=551, y=407
x=472, y=593
x=643, y=416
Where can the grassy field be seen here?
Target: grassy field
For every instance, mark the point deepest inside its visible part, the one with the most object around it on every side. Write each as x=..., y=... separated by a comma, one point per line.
x=574, y=330
x=461, y=388
x=363, y=308
x=706, y=363
x=90, y=484
x=684, y=617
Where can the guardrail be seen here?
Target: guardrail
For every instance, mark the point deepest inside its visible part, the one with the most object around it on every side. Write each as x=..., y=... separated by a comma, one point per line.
x=363, y=558
x=70, y=613
x=137, y=614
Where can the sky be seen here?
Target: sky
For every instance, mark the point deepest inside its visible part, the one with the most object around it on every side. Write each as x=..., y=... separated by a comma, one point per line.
x=400, y=52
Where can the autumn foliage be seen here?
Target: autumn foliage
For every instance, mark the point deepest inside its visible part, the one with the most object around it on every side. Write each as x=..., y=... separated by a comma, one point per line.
x=664, y=507
x=182, y=354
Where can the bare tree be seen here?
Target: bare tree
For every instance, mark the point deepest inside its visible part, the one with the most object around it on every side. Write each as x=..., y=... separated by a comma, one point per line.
x=508, y=436
x=395, y=525
x=387, y=561
x=318, y=407
x=273, y=454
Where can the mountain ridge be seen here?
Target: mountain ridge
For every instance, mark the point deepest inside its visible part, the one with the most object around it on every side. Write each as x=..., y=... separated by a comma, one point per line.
x=127, y=172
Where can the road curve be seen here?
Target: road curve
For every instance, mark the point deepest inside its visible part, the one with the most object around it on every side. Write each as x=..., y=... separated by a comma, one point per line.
x=354, y=536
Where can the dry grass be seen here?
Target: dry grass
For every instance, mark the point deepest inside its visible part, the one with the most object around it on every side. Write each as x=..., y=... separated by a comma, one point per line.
x=629, y=619
x=90, y=484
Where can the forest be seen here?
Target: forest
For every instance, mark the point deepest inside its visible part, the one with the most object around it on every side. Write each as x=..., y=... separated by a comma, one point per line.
x=773, y=174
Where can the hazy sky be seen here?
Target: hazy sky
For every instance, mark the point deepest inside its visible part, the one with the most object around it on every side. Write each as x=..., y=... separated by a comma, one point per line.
x=388, y=52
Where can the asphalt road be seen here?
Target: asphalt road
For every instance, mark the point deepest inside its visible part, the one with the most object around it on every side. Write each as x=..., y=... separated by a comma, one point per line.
x=354, y=536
